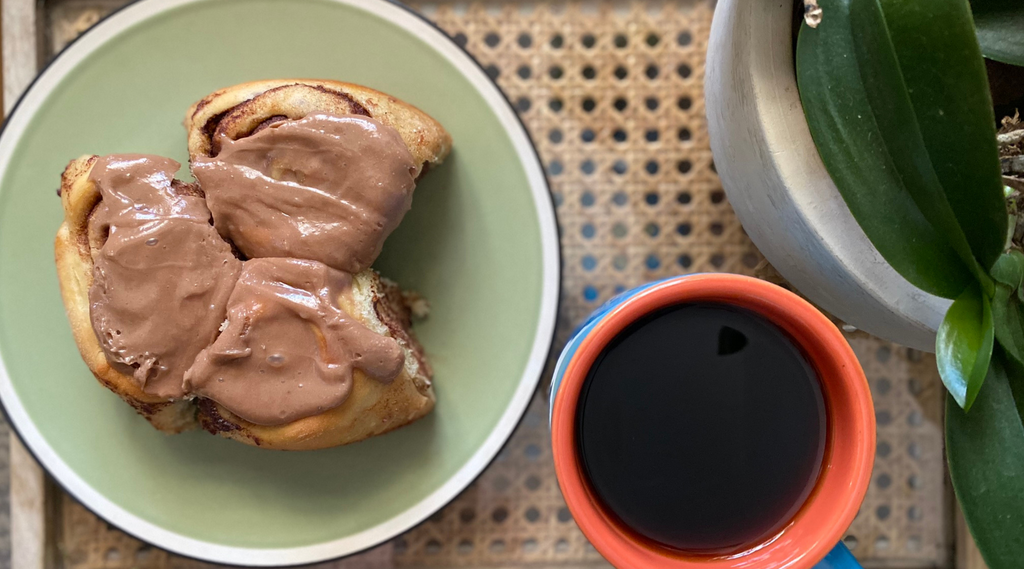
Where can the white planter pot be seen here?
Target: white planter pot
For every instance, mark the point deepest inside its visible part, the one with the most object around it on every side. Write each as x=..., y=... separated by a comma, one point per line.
x=778, y=185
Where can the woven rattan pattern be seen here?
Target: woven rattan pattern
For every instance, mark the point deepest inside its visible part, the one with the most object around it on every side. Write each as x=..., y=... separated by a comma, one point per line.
x=613, y=97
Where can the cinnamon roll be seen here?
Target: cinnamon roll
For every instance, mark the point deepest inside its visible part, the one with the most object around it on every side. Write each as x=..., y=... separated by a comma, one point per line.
x=245, y=303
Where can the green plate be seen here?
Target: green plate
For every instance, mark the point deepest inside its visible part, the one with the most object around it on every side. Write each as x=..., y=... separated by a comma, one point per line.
x=480, y=243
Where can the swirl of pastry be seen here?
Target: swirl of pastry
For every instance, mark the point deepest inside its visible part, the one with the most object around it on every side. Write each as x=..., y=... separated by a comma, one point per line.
x=373, y=400
x=236, y=112
x=310, y=172
x=321, y=171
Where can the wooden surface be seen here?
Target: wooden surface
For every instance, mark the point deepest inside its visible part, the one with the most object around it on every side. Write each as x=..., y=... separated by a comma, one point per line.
x=27, y=482
x=5, y=563
x=29, y=496
x=20, y=48
x=967, y=554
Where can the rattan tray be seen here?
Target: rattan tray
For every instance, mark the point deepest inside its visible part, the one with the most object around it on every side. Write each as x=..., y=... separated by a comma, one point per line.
x=612, y=94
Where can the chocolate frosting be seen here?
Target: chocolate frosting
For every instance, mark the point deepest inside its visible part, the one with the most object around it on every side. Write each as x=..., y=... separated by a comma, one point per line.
x=162, y=277
x=326, y=190
x=324, y=187
x=288, y=350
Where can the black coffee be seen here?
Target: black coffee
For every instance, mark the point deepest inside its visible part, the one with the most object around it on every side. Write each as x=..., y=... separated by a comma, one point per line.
x=702, y=427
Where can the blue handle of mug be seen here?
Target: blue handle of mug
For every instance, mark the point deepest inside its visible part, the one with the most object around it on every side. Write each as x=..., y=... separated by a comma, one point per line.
x=838, y=558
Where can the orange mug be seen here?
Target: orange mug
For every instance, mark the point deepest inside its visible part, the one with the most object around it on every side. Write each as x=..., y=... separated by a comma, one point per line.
x=811, y=539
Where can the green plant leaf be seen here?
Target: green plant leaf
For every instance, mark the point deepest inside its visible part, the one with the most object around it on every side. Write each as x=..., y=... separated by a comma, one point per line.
x=1008, y=319
x=985, y=451
x=872, y=179
x=1009, y=269
x=999, y=24
x=941, y=64
x=889, y=97
x=963, y=345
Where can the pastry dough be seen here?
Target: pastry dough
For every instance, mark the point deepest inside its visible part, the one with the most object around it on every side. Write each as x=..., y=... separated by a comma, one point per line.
x=373, y=407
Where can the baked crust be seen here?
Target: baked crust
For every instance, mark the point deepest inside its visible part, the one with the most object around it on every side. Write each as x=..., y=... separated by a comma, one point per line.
x=74, y=251
x=238, y=111
x=373, y=407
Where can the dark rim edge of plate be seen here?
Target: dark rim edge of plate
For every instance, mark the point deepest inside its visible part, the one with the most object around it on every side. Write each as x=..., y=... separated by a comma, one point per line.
x=547, y=355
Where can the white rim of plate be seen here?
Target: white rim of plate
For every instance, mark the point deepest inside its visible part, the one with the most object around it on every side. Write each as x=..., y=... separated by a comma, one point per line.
x=142, y=10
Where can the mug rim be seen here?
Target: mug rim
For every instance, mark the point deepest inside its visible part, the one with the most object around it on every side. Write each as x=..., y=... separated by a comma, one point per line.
x=846, y=467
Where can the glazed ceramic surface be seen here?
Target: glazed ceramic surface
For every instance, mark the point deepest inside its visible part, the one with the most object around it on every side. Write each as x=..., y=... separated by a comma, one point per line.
x=480, y=244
